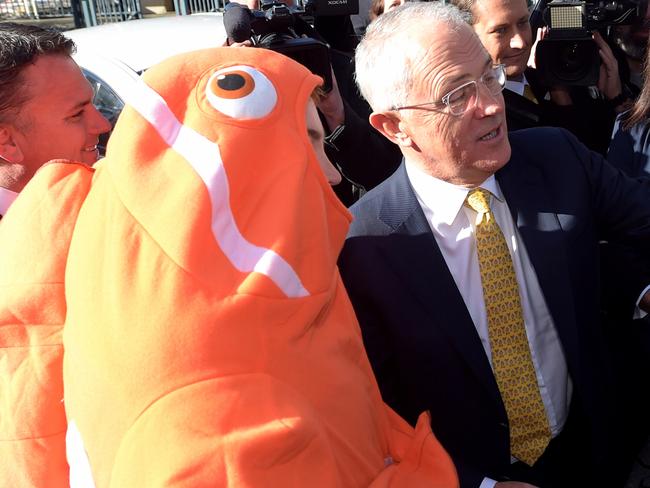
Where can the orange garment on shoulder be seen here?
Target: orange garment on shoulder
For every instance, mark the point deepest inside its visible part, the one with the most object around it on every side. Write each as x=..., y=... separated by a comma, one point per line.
x=35, y=236
x=208, y=338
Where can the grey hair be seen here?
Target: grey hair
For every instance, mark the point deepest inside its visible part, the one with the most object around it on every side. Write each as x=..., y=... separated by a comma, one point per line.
x=385, y=56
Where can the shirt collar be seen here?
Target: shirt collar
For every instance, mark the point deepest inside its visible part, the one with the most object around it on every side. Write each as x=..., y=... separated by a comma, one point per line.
x=444, y=199
x=7, y=197
x=517, y=86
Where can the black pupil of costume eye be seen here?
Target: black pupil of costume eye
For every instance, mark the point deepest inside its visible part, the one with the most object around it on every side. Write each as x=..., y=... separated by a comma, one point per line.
x=231, y=82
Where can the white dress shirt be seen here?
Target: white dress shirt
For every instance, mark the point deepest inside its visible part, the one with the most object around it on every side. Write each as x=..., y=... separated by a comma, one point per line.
x=517, y=86
x=453, y=226
x=7, y=197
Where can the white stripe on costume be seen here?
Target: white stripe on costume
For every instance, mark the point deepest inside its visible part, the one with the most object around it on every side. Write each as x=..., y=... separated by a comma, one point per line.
x=204, y=156
x=81, y=475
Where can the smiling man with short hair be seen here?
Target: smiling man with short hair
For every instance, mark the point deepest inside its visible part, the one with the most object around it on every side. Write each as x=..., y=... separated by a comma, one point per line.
x=504, y=29
x=46, y=109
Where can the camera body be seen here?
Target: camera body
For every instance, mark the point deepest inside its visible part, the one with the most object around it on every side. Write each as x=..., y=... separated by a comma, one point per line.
x=568, y=55
x=287, y=30
x=331, y=7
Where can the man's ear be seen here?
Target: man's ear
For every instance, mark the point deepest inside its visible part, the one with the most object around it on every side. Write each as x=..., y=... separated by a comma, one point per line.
x=9, y=149
x=391, y=126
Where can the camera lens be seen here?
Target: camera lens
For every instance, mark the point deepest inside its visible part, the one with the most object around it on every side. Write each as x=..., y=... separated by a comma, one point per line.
x=568, y=61
x=574, y=60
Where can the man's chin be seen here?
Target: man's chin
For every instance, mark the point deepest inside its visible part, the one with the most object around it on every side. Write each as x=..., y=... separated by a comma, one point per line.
x=501, y=156
x=90, y=157
x=515, y=72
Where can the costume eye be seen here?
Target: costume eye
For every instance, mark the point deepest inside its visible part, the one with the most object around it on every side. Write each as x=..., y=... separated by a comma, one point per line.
x=236, y=84
x=241, y=92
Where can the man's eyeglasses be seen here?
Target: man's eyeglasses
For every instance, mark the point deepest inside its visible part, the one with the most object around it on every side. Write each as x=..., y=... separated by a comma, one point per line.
x=461, y=99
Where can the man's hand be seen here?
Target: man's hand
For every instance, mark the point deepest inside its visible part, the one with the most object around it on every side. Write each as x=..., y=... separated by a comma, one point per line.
x=229, y=43
x=331, y=106
x=513, y=484
x=644, y=303
x=609, y=82
x=559, y=94
x=251, y=4
x=541, y=33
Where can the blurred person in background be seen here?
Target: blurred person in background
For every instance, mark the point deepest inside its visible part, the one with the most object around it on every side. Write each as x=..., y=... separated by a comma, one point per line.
x=629, y=149
x=505, y=30
x=378, y=7
x=630, y=46
x=364, y=157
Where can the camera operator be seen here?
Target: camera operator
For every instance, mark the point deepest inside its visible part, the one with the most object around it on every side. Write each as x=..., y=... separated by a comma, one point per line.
x=630, y=46
x=364, y=157
x=505, y=30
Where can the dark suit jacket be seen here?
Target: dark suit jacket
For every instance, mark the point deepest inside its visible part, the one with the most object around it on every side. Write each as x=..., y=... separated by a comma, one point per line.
x=521, y=113
x=590, y=120
x=629, y=149
x=420, y=338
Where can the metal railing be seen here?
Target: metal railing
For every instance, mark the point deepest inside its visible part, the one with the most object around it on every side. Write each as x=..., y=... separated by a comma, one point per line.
x=34, y=9
x=186, y=7
x=88, y=13
x=96, y=12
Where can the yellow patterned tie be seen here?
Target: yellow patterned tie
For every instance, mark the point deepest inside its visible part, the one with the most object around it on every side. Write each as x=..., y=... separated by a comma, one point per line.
x=511, y=359
x=528, y=93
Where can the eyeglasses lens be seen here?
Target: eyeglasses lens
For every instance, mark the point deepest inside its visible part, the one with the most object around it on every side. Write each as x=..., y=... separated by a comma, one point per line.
x=463, y=97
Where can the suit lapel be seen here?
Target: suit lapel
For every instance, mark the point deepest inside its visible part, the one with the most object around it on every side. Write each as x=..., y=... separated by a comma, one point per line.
x=537, y=221
x=521, y=113
x=422, y=268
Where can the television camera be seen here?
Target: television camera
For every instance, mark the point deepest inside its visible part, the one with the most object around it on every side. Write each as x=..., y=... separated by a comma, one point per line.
x=568, y=55
x=288, y=30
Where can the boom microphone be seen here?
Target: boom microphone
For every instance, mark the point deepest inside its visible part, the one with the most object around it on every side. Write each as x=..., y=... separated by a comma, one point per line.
x=237, y=22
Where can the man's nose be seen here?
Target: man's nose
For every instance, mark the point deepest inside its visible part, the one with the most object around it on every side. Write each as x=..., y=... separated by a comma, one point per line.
x=100, y=124
x=487, y=103
x=517, y=41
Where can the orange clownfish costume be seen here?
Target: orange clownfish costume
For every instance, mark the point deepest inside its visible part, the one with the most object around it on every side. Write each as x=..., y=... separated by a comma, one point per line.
x=208, y=338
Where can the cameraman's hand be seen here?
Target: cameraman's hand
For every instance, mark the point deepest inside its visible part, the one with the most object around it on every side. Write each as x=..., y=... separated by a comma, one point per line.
x=609, y=82
x=559, y=94
x=251, y=4
x=541, y=33
x=229, y=43
x=331, y=106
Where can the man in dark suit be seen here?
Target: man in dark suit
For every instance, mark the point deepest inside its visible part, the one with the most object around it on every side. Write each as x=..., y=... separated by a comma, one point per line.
x=505, y=30
x=46, y=109
x=474, y=268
